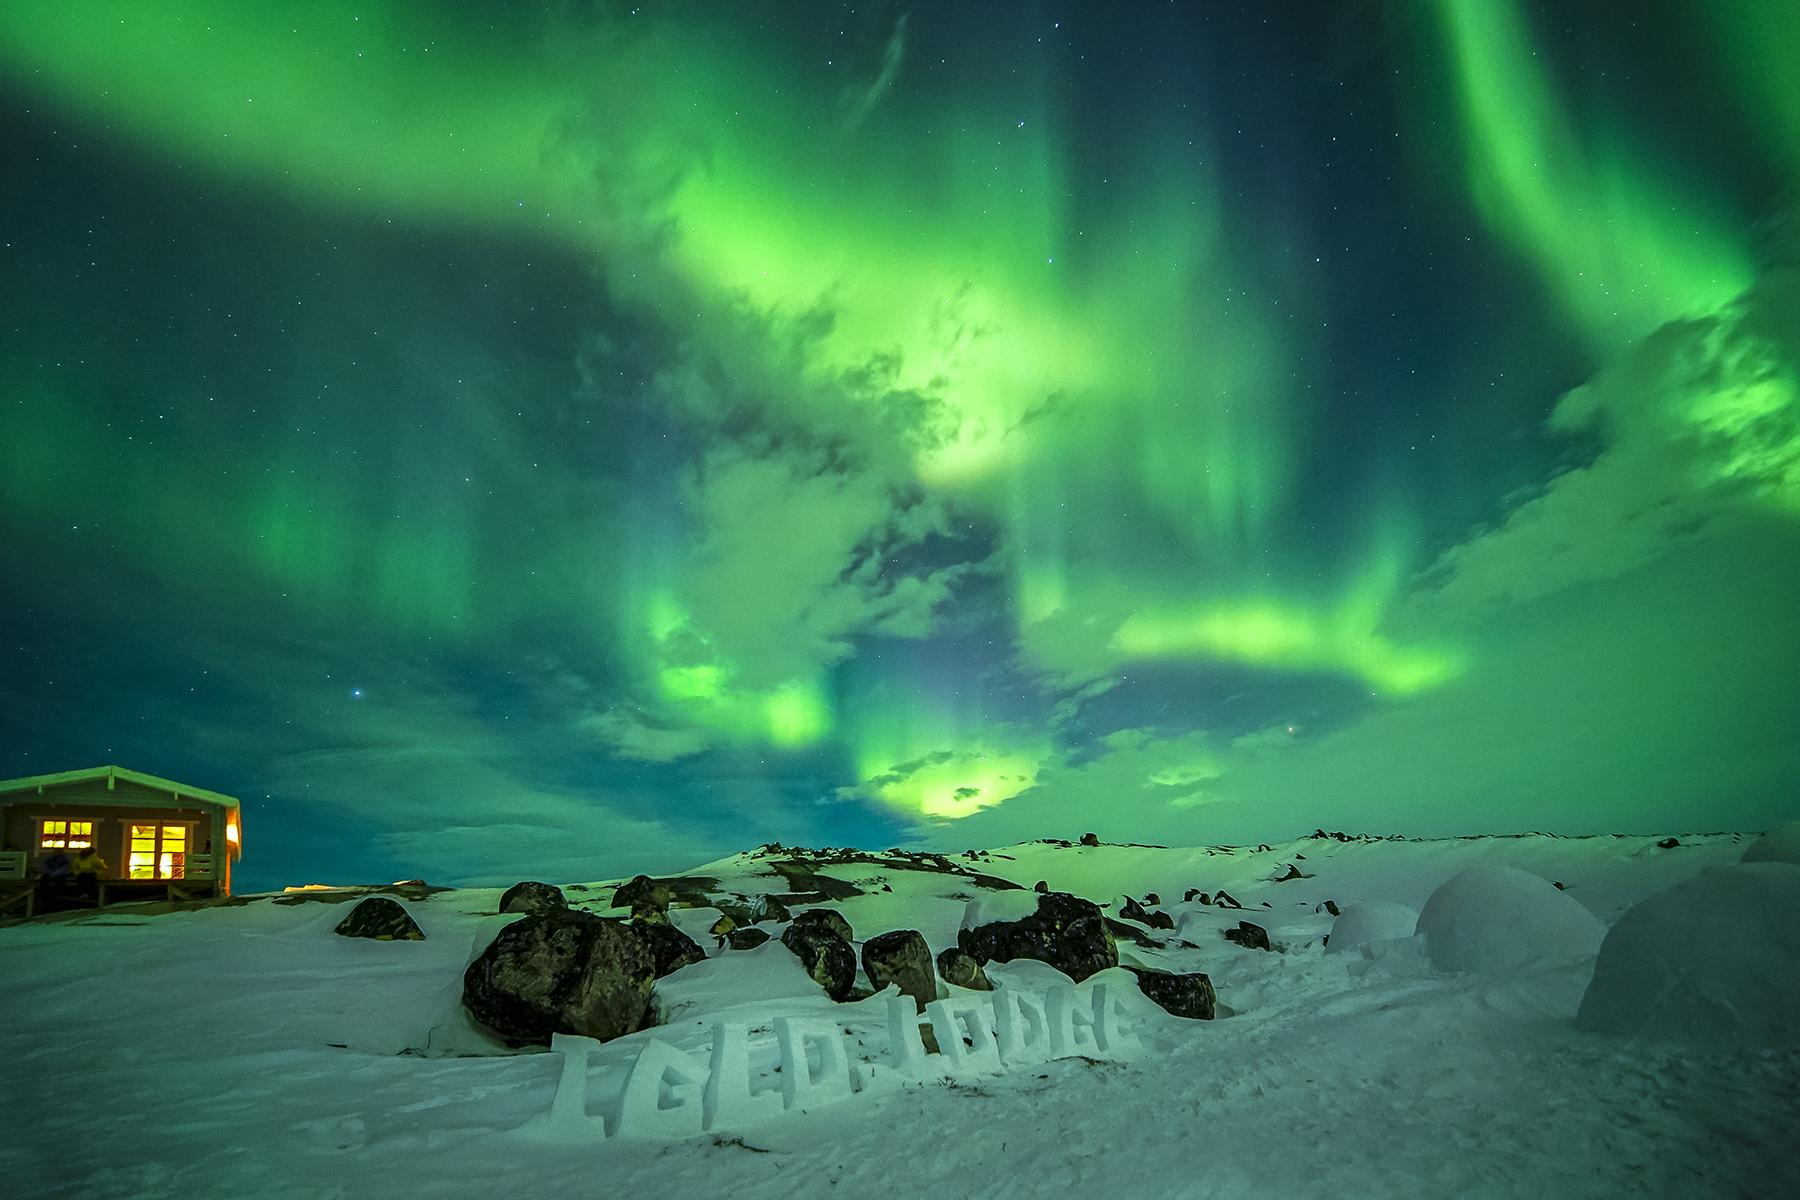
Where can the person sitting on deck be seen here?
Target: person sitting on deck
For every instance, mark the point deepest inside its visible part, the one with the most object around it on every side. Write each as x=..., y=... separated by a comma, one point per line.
x=89, y=866
x=54, y=872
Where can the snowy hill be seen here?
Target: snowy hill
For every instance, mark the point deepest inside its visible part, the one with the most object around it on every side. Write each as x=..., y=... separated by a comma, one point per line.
x=242, y=1050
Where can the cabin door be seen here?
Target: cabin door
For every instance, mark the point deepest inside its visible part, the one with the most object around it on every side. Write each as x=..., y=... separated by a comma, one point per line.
x=157, y=851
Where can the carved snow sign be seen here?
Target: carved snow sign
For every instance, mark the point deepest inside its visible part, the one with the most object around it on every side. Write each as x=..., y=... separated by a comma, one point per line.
x=671, y=1093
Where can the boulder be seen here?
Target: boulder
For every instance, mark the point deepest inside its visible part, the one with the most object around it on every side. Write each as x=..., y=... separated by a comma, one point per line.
x=1040, y=887
x=1194, y=894
x=1090, y=839
x=961, y=968
x=1189, y=995
x=1065, y=931
x=901, y=957
x=381, y=919
x=768, y=908
x=642, y=894
x=670, y=948
x=746, y=939
x=1292, y=872
x=722, y=927
x=1131, y=910
x=1250, y=937
x=1668, y=843
x=826, y=955
x=532, y=897
x=561, y=972
x=1152, y=899
x=1225, y=900
x=828, y=918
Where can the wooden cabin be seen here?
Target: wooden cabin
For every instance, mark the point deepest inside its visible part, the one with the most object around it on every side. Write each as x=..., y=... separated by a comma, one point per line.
x=161, y=840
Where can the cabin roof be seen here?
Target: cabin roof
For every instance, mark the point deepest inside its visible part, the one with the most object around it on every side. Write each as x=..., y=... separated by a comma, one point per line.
x=181, y=791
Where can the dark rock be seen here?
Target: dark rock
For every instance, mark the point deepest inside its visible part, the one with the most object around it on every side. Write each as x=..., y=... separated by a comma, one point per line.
x=722, y=927
x=768, y=908
x=670, y=948
x=561, y=972
x=746, y=939
x=1133, y=911
x=901, y=957
x=826, y=955
x=1152, y=899
x=1251, y=937
x=382, y=919
x=1330, y=906
x=1668, y=843
x=642, y=895
x=1292, y=872
x=1226, y=900
x=961, y=968
x=532, y=897
x=828, y=918
x=1194, y=894
x=1066, y=931
x=1040, y=887
x=1263, y=848
x=1189, y=995
x=1090, y=839
x=1559, y=885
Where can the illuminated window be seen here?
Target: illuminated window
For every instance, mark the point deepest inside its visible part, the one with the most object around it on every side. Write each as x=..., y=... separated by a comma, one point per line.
x=66, y=835
x=157, y=852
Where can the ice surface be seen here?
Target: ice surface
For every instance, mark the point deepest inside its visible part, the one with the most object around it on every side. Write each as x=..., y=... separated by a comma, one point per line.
x=1500, y=919
x=1371, y=921
x=1716, y=959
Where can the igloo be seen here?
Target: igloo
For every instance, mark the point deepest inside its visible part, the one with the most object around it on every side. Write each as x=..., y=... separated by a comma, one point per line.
x=1496, y=919
x=1780, y=844
x=1370, y=921
x=1712, y=960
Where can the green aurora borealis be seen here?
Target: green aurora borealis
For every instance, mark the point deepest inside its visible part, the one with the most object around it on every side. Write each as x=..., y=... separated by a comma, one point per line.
x=598, y=437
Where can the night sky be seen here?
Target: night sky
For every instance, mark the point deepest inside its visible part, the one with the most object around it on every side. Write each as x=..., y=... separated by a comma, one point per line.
x=561, y=440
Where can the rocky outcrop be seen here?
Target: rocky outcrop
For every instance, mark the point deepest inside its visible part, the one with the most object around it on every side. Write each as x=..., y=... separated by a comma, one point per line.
x=768, y=908
x=1250, y=937
x=1090, y=839
x=956, y=965
x=1189, y=995
x=382, y=919
x=642, y=895
x=825, y=953
x=561, y=972
x=828, y=918
x=1131, y=910
x=903, y=958
x=532, y=897
x=670, y=949
x=746, y=939
x=1065, y=931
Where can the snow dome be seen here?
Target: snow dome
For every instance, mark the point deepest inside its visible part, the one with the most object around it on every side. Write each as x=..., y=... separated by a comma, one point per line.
x=1712, y=960
x=1780, y=844
x=1501, y=919
x=1370, y=921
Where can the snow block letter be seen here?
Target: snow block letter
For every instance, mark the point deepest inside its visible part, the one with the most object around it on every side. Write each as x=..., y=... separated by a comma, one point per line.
x=965, y=1035
x=663, y=1093
x=568, y=1108
x=801, y=1086
x=728, y=1097
x=1021, y=1027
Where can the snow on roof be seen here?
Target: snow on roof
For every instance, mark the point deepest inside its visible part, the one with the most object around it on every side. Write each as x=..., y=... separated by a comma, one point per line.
x=182, y=791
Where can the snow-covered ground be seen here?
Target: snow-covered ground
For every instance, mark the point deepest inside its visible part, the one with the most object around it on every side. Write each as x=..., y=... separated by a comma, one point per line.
x=244, y=1051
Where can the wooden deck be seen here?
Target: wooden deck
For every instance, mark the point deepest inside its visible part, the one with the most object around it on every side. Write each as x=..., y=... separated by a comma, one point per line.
x=24, y=898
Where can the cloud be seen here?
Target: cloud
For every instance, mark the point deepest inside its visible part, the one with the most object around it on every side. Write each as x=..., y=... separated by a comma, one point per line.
x=1697, y=425
x=861, y=101
x=629, y=735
